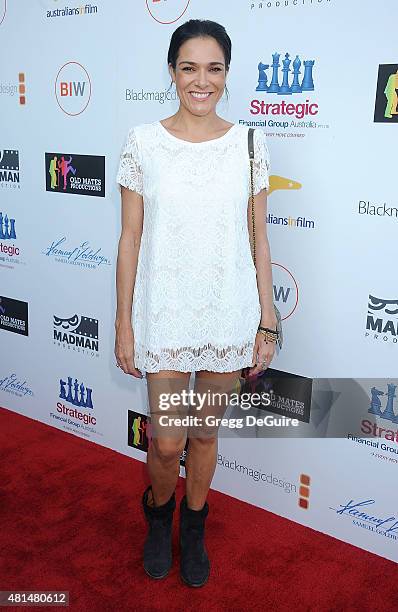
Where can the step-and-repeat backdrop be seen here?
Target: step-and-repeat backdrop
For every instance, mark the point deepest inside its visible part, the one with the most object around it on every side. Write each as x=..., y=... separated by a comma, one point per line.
x=320, y=77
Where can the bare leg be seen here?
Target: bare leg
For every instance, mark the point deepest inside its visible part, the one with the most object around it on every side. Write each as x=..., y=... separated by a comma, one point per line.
x=200, y=463
x=167, y=444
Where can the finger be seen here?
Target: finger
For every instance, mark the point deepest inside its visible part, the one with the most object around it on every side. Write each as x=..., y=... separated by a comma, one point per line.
x=266, y=350
x=256, y=369
x=255, y=352
x=264, y=356
x=251, y=369
x=135, y=372
x=253, y=372
x=261, y=366
x=123, y=366
x=129, y=368
x=125, y=360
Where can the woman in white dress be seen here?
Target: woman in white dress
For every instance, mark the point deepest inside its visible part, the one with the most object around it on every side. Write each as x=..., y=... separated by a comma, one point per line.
x=188, y=296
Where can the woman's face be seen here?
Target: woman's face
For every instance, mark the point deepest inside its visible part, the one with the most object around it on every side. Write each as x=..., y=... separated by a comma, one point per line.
x=200, y=68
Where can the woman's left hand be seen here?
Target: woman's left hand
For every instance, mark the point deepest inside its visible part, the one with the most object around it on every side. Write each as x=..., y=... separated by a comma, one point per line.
x=262, y=350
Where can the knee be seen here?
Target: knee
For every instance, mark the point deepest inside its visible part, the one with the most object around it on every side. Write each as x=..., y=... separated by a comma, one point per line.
x=168, y=449
x=203, y=440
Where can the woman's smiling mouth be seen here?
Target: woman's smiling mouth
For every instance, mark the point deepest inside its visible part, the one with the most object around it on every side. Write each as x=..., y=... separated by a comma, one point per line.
x=200, y=96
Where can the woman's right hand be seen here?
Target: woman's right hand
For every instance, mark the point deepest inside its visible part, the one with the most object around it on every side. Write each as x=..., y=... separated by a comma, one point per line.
x=124, y=349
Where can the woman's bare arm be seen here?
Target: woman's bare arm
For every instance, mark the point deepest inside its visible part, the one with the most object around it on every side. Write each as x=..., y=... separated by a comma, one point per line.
x=132, y=216
x=263, y=258
x=262, y=351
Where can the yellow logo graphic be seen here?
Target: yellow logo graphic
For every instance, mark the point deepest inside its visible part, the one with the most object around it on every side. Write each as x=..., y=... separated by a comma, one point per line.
x=280, y=182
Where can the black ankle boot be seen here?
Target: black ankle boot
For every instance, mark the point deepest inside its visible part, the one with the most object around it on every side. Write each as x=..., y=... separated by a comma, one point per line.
x=157, y=547
x=195, y=565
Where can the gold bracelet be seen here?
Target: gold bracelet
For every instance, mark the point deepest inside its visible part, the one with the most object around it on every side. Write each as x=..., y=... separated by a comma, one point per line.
x=268, y=336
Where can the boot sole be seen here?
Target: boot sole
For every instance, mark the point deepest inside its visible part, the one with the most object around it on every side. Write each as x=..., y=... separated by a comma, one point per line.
x=157, y=577
x=195, y=584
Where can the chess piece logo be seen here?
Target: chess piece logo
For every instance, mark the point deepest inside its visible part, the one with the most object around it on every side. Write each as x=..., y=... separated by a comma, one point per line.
x=286, y=85
x=386, y=105
x=7, y=228
x=388, y=412
x=75, y=394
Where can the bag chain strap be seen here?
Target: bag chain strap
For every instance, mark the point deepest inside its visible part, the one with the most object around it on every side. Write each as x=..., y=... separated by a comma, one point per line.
x=274, y=336
x=252, y=202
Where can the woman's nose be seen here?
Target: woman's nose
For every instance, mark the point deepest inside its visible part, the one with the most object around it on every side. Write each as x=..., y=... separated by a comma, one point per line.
x=202, y=79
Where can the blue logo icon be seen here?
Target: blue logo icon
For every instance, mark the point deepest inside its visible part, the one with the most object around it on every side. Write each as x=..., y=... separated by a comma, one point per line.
x=81, y=395
x=286, y=88
x=7, y=228
x=375, y=404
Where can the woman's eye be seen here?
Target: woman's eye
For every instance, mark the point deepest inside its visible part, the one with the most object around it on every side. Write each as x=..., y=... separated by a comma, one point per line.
x=216, y=68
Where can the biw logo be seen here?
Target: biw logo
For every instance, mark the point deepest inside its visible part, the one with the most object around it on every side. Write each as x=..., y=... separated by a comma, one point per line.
x=73, y=88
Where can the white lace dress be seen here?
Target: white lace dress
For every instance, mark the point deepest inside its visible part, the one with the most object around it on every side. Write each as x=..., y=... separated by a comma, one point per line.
x=195, y=303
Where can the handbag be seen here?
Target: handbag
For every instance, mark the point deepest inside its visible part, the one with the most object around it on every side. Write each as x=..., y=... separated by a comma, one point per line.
x=251, y=159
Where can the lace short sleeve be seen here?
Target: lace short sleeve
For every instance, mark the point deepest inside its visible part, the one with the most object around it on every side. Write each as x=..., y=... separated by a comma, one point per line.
x=261, y=166
x=129, y=173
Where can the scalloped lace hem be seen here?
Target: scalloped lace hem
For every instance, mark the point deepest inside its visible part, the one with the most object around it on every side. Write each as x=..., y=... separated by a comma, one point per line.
x=188, y=359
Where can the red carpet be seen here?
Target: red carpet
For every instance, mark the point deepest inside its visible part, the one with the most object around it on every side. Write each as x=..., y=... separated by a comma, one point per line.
x=71, y=520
